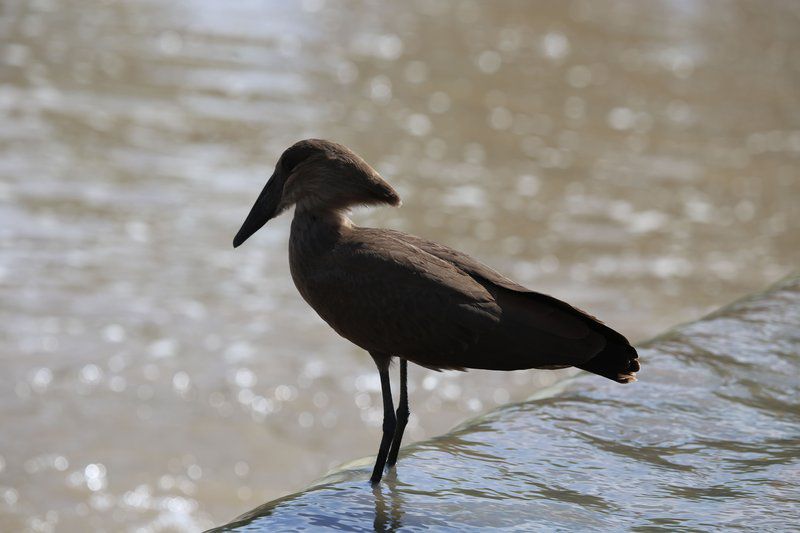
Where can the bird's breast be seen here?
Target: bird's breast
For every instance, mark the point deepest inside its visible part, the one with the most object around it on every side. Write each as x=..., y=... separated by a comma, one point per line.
x=317, y=273
x=333, y=293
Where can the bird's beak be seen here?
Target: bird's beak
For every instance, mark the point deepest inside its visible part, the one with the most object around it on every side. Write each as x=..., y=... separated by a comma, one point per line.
x=265, y=209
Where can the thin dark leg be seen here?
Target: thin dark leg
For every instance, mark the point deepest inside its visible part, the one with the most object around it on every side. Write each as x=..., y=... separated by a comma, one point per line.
x=389, y=423
x=402, y=414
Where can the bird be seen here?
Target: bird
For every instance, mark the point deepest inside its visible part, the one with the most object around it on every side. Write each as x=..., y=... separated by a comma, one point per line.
x=399, y=296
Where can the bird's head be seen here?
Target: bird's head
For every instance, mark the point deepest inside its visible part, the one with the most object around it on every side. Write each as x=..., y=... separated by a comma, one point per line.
x=317, y=175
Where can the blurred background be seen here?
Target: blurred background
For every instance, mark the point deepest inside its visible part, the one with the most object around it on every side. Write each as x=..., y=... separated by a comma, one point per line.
x=639, y=160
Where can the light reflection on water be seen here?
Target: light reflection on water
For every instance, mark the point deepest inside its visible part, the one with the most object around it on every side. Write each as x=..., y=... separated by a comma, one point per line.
x=155, y=378
x=708, y=439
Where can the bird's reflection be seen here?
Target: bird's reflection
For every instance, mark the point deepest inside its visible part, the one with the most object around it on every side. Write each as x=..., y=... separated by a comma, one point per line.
x=388, y=506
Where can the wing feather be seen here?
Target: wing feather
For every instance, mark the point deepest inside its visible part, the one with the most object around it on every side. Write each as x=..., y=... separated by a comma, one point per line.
x=532, y=318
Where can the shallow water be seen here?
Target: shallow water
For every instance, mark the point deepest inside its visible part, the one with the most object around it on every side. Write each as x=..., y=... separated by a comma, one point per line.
x=154, y=378
x=708, y=439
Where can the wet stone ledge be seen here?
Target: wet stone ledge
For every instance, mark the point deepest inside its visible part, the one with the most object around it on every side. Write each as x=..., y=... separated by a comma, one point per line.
x=709, y=438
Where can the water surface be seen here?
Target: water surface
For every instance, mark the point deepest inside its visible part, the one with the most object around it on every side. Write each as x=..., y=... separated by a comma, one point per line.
x=708, y=439
x=639, y=161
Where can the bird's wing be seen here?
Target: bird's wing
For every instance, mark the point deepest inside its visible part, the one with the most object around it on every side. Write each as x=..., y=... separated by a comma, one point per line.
x=539, y=311
x=557, y=316
x=389, y=296
x=459, y=259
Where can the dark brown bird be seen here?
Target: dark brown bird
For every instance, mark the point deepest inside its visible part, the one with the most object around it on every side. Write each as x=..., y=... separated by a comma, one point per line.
x=397, y=295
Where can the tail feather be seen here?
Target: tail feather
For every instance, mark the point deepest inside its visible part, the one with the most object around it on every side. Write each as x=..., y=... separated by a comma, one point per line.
x=617, y=361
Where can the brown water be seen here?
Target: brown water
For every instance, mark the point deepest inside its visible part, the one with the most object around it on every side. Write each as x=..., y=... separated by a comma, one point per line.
x=638, y=160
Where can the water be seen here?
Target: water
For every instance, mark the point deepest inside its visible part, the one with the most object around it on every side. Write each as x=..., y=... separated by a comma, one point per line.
x=709, y=439
x=156, y=379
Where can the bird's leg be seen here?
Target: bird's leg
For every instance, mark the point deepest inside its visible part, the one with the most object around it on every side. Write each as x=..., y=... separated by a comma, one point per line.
x=402, y=414
x=389, y=421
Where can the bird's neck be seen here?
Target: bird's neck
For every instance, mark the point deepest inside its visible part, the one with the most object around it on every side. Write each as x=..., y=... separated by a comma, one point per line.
x=314, y=231
x=319, y=222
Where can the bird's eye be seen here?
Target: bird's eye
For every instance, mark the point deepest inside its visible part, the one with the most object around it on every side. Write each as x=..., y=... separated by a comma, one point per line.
x=288, y=164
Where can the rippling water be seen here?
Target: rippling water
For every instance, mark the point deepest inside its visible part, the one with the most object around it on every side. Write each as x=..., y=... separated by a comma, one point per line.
x=154, y=378
x=708, y=439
